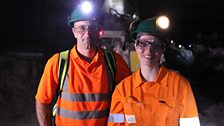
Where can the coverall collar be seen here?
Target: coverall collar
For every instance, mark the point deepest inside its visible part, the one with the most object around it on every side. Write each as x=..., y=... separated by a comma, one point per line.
x=160, y=79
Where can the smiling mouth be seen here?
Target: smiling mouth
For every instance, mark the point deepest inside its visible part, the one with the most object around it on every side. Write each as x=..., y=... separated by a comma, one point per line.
x=85, y=39
x=148, y=57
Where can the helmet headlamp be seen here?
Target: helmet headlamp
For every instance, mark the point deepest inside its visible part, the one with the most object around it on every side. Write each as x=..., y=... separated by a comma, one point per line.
x=162, y=22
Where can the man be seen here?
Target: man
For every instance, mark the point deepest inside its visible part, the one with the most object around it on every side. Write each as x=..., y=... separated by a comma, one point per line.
x=154, y=95
x=86, y=94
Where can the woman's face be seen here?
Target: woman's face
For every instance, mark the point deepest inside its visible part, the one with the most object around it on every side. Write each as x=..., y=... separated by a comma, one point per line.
x=149, y=49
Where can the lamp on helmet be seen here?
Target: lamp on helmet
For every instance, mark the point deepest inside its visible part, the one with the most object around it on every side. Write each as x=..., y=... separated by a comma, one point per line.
x=85, y=11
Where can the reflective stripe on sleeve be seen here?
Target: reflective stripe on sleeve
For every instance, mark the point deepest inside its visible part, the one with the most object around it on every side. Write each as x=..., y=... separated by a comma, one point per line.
x=116, y=118
x=193, y=121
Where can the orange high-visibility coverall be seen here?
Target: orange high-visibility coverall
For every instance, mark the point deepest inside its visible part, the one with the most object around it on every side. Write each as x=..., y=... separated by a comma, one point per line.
x=86, y=95
x=168, y=101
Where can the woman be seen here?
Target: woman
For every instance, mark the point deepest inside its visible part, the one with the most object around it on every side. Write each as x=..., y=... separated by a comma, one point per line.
x=153, y=95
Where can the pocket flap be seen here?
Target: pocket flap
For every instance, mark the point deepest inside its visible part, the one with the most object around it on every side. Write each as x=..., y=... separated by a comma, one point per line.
x=170, y=102
x=130, y=99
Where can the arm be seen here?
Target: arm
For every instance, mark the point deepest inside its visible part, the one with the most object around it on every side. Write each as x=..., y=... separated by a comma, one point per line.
x=46, y=89
x=43, y=114
x=189, y=113
x=116, y=116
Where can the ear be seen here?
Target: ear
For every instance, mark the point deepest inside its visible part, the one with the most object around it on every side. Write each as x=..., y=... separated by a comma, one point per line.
x=164, y=49
x=73, y=31
x=162, y=59
x=135, y=46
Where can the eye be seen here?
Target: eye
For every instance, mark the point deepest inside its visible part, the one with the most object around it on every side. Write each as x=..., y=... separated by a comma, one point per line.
x=93, y=28
x=142, y=43
x=82, y=27
x=157, y=46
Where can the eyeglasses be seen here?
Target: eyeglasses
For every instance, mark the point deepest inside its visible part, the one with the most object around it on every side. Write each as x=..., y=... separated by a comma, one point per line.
x=83, y=28
x=154, y=45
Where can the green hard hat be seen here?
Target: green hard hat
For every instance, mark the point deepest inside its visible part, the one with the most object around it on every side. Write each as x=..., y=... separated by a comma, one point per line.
x=78, y=15
x=149, y=26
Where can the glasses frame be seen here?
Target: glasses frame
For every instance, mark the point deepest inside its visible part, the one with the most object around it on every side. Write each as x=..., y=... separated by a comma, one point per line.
x=155, y=45
x=92, y=28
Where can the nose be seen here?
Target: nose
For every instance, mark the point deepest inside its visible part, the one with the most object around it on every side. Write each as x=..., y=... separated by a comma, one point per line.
x=148, y=49
x=86, y=33
x=148, y=46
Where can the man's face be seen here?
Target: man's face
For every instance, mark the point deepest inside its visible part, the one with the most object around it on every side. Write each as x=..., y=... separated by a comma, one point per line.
x=149, y=49
x=86, y=33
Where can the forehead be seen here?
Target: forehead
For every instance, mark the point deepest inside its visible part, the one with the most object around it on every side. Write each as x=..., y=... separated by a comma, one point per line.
x=79, y=23
x=85, y=22
x=148, y=37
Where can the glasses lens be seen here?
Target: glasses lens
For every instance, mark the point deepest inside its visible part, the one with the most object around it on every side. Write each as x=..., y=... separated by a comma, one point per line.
x=93, y=28
x=84, y=28
x=141, y=43
x=153, y=45
x=157, y=46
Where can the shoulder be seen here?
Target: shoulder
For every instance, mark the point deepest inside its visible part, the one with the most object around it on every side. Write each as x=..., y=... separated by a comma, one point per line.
x=117, y=56
x=178, y=74
x=120, y=62
x=53, y=60
x=178, y=78
x=126, y=84
x=119, y=59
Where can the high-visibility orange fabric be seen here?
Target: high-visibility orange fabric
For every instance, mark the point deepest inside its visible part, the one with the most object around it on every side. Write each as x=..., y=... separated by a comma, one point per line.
x=83, y=78
x=159, y=103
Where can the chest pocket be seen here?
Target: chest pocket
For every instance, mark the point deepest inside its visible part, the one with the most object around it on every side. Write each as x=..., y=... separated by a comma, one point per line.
x=149, y=110
x=167, y=106
x=167, y=111
x=132, y=110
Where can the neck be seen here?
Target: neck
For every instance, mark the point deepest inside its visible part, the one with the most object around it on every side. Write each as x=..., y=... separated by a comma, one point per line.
x=87, y=54
x=149, y=74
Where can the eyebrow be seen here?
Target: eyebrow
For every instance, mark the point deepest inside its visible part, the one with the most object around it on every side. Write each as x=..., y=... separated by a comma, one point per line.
x=143, y=40
x=151, y=40
x=79, y=25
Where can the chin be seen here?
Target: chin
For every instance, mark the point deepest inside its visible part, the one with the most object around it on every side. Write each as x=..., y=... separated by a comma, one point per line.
x=149, y=63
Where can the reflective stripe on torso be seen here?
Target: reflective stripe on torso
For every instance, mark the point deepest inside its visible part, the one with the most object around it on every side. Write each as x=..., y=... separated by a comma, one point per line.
x=96, y=105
